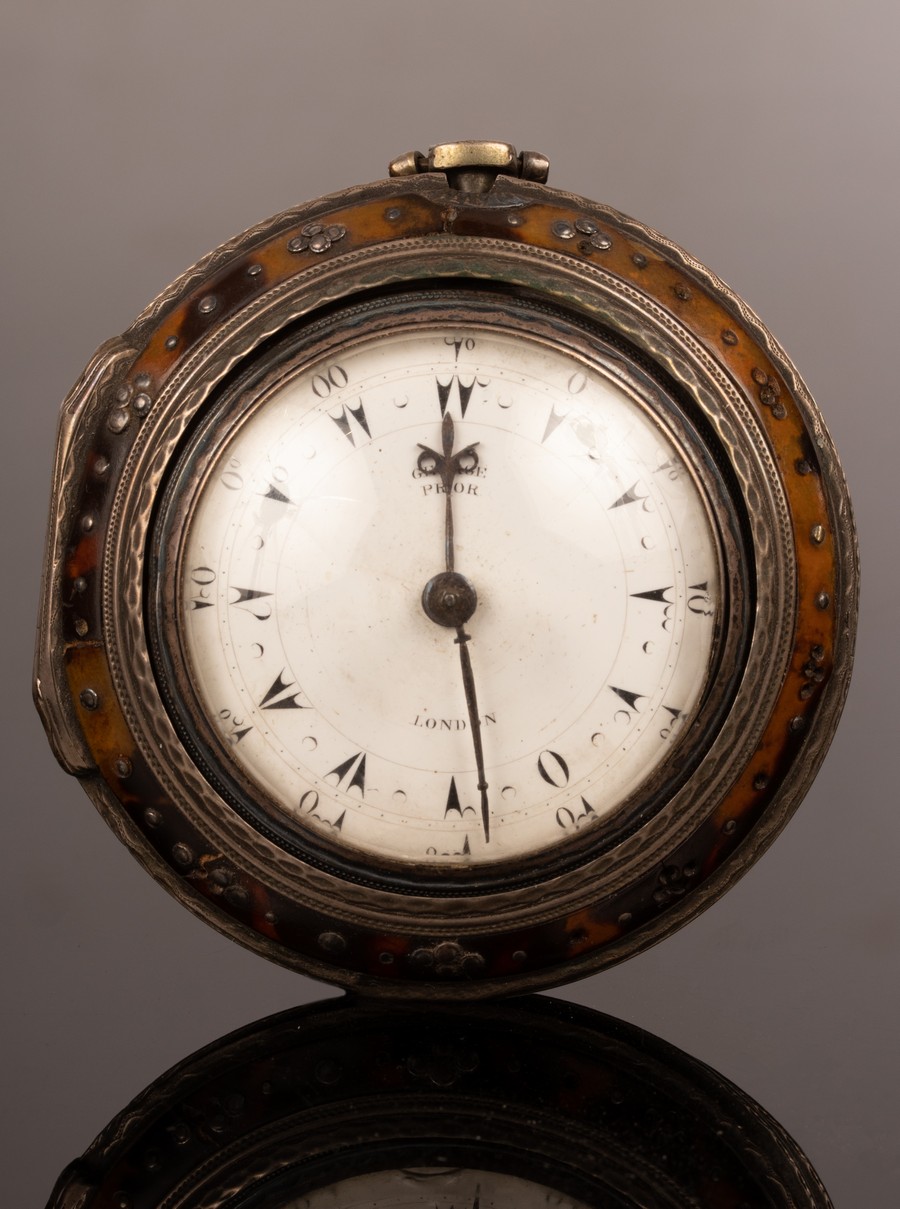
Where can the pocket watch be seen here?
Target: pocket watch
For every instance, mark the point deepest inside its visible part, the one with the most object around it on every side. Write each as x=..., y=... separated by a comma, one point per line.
x=450, y=584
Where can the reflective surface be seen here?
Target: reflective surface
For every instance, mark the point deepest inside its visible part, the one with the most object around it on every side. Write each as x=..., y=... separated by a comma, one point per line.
x=527, y=1103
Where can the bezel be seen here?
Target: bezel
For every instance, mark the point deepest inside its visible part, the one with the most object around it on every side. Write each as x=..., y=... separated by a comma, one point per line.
x=126, y=423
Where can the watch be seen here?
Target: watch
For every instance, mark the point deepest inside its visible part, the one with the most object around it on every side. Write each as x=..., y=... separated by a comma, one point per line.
x=451, y=585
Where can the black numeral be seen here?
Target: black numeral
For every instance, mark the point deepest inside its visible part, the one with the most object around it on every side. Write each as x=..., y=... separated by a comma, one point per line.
x=231, y=476
x=630, y=699
x=235, y=728
x=676, y=716
x=283, y=694
x=351, y=774
x=553, y=769
x=309, y=804
x=202, y=578
x=632, y=496
x=672, y=469
x=701, y=601
x=463, y=390
x=568, y=819
x=274, y=492
x=453, y=803
x=334, y=378
x=351, y=432
x=554, y=420
x=464, y=851
x=457, y=343
x=659, y=596
x=252, y=601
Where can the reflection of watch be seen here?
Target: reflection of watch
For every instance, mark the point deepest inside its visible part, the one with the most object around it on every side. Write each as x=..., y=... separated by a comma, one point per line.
x=451, y=584
x=349, y=1104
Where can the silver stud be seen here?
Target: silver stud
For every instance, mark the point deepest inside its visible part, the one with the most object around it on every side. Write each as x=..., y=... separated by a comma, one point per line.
x=118, y=420
x=237, y=896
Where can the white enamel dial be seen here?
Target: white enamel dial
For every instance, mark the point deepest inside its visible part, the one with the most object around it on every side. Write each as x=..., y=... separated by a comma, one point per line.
x=575, y=519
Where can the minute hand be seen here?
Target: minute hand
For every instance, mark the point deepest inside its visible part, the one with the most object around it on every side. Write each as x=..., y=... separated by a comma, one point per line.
x=462, y=639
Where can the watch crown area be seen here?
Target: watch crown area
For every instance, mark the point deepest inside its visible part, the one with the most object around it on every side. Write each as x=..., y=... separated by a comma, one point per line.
x=473, y=165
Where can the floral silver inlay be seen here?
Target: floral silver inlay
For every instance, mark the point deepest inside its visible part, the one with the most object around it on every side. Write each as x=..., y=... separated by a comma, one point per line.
x=316, y=238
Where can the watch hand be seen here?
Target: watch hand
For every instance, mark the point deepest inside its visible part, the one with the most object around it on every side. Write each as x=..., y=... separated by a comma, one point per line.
x=449, y=598
x=447, y=466
x=475, y=725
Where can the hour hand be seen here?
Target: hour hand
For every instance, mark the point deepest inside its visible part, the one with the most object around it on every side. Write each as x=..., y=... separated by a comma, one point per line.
x=447, y=464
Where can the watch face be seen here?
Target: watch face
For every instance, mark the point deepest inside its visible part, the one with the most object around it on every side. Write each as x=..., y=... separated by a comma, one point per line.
x=446, y=592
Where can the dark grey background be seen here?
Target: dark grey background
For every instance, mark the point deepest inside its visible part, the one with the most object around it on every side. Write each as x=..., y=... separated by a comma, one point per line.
x=762, y=137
